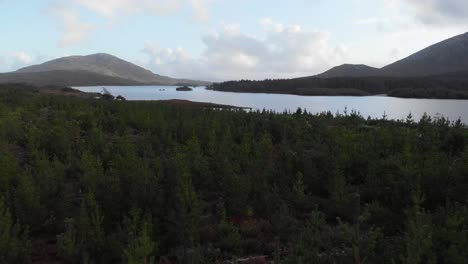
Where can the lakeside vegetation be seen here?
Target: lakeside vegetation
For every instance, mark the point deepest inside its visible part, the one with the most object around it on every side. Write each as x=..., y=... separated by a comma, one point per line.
x=104, y=181
x=450, y=86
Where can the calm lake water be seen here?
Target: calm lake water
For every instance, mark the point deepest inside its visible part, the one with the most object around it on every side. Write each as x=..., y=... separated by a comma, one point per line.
x=373, y=106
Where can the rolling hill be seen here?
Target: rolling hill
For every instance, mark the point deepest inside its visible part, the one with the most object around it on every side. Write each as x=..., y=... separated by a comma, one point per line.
x=448, y=57
x=350, y=70
x=96, y=69
x=64, y=78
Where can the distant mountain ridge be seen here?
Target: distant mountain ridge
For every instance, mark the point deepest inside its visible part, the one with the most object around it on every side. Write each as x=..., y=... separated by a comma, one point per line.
x=446, y=57
x=96, y=69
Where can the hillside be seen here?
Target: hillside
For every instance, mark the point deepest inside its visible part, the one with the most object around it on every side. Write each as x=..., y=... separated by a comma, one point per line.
x=448, y=56
x=350, y=70
x=459, y=75
x=96, y=69
x=64, y=78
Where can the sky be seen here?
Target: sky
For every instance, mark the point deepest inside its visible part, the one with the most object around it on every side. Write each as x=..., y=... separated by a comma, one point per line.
x=227, y=39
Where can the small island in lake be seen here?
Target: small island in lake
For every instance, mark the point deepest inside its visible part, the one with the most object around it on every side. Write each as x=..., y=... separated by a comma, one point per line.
x=184, y=89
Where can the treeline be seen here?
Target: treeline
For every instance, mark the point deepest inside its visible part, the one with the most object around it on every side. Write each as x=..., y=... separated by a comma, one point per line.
x=98, y=181
x=442, y=87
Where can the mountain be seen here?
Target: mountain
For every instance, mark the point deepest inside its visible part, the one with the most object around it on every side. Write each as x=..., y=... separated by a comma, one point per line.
x=64, y=78
x=96, y=69
x=439, y=71
x=450, y=55
x=453, y=76
x=350, y=70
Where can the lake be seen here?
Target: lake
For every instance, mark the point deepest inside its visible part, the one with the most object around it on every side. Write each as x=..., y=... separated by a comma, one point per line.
x=373, y=106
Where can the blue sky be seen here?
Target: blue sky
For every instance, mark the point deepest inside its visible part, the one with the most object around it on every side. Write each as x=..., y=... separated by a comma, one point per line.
x=226, y=39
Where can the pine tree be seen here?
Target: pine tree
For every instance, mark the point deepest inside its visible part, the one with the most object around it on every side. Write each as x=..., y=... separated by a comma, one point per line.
x=14, y=244
x=419, y=232
x=141, y=248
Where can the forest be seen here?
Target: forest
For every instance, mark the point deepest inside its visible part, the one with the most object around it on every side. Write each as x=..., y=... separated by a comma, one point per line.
x=86, y=180
x=449, y=86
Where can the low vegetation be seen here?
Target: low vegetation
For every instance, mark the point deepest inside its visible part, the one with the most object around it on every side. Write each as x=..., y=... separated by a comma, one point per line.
x=184, y=89
x=105, y=181
x=440, y=87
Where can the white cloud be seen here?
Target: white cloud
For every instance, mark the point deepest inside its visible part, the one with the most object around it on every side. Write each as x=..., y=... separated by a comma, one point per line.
x=200, y=9
x=166, y=55
x=23, y=57
x=384, y=24
x=394, y=54
x=3, y=63
x=269, y=24
x=171, y=62
x=74, y=29
x=286, y=51
x=113, y=9
x=20, y=59
x=434, y=12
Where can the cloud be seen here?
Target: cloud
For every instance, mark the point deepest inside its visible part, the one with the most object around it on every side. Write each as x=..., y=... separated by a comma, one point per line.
x=383, y=24
x=3, y=62
x=73, y=28
x=268, y=24
x=404, y=27
x=284, y=51
x=435, y=12
x=20, y=59
x=172, y=62
x=200, y=9
x=113, y=9
x=394, y=54
x=23, y=57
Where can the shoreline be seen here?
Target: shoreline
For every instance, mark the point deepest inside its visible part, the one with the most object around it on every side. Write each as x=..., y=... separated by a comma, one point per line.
x=350, y=93
x=179, y=102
